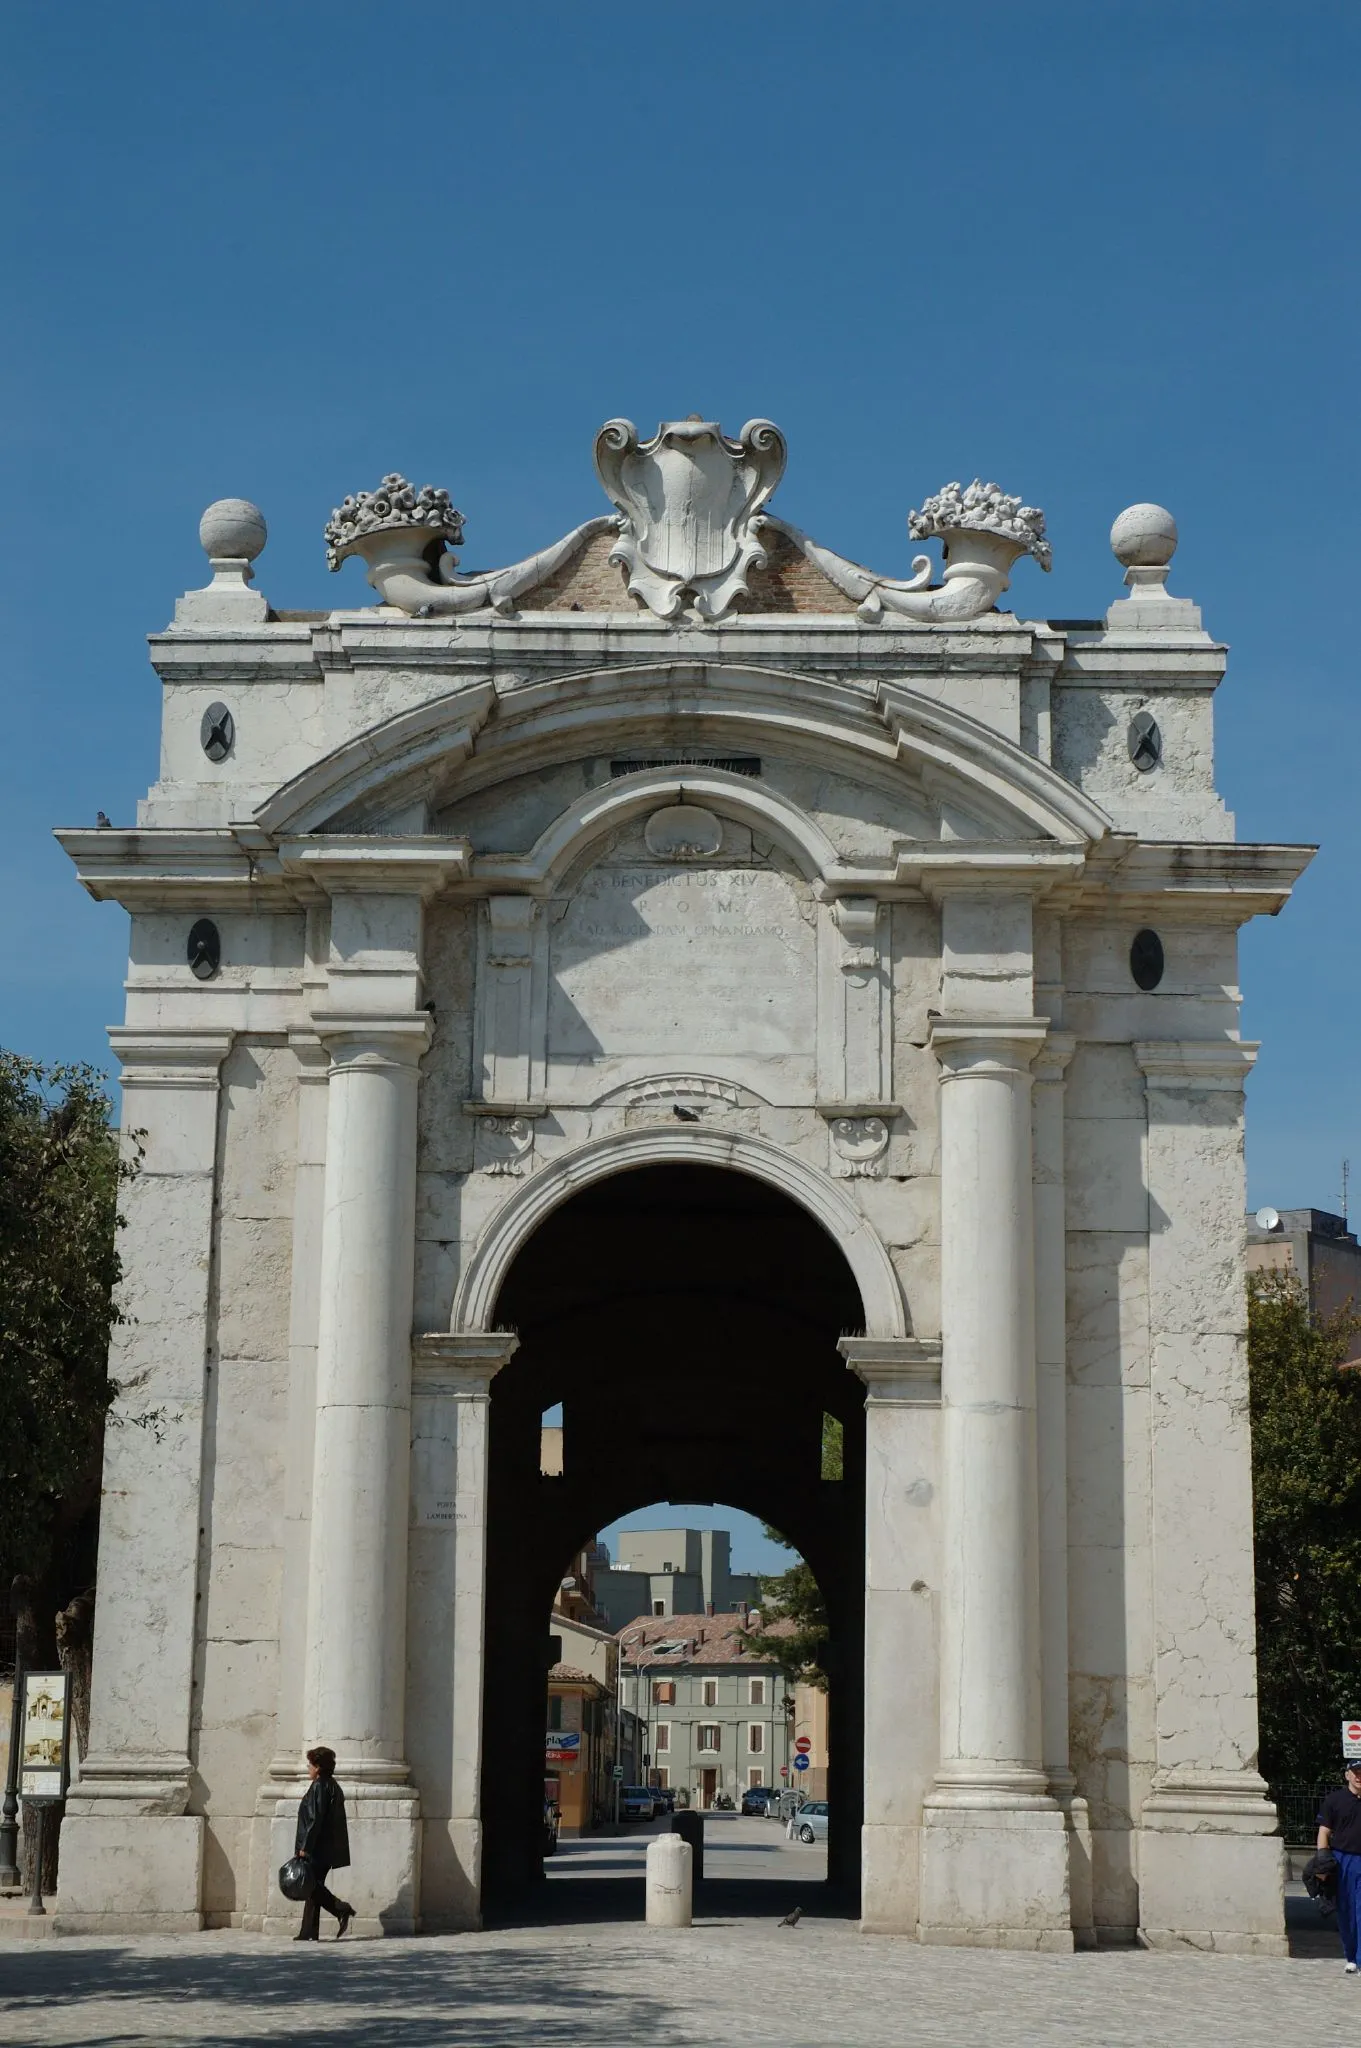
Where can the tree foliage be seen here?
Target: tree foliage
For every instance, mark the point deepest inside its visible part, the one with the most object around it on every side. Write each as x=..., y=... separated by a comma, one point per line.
x=1306, y=1467
x=60, y=1174
x=795, y=1596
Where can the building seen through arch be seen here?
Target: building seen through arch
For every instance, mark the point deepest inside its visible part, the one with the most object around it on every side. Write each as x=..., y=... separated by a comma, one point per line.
x=688, y=977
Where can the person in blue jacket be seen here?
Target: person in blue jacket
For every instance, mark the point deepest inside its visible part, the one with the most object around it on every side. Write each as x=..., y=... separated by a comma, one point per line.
x=1339, y=1829
x=324, y=1840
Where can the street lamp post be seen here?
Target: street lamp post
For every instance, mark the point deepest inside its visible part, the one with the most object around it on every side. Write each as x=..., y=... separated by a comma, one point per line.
x=9, y=1813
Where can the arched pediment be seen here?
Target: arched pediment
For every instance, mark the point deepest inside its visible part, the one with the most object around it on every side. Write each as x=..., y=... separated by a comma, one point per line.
x=471, y=738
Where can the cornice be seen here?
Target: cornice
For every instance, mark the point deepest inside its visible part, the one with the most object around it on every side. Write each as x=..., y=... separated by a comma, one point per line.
x=181, y=1059
x=1215, y=1064
x=374, y=864
x=1212, y=882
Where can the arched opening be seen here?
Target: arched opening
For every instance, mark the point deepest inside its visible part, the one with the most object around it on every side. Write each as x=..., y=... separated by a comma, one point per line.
x=686, y=1319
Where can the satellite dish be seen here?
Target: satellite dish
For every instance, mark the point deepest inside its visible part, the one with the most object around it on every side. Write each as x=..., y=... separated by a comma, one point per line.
x=1268, y=1219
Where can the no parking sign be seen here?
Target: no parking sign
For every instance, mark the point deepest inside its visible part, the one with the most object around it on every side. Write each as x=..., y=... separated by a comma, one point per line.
x=1351, y=1738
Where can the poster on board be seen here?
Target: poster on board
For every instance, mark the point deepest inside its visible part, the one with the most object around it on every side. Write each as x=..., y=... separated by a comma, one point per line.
x=45, y=1733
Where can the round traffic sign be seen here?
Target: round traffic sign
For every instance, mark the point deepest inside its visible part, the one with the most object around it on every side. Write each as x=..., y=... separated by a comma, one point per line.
x=801, y=1763
x=803, y=1743
x=1353, y=1731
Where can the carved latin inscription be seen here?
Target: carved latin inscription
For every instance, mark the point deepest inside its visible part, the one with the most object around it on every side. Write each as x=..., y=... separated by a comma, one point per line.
x=669, y=960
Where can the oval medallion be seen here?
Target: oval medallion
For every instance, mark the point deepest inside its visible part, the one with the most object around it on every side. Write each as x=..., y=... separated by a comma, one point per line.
x=683, y=832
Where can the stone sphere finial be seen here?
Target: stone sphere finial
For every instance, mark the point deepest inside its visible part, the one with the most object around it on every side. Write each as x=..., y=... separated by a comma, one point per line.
x=232, y=529
x=1144, y=537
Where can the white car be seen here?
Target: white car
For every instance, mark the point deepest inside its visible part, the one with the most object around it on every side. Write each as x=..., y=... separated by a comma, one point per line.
x=809, y=1824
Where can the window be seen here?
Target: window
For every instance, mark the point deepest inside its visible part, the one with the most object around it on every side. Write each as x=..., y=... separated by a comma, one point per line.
x=663, y=1736
x=756, y=1694
x=663, y=1777
x=663, y=1692
x=659, y=1607
x=706, y=1735
x=754, y=1777
x=756, y=1737
x=709, y=1694
x=555, y=1711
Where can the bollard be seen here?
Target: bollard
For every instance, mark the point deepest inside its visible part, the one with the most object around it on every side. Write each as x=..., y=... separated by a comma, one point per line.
x=689, y=1825
x=668, y=1881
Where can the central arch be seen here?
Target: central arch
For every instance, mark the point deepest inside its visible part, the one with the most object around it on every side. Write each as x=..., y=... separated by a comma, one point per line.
x=882, y=1307
x=686, y=1316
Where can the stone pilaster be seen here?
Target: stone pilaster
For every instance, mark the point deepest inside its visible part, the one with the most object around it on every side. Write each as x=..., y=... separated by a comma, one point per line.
x=132, y=1853
x=1210, y=1865
x=902, y=1580
x=1051, y=1431
x=451, y=1388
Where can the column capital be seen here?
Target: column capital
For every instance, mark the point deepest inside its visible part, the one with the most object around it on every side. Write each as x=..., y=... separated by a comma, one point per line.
x=1201, y=1063
x=170, y=1059
x=969, y=1044
x=897, y=1371
x=461, y=1361
x=350, y=1036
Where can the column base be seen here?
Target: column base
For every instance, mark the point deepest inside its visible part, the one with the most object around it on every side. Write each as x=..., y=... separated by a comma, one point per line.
x=129, y=1873
x=1211, y=1875
x=382, y=1880
x=994, y=1872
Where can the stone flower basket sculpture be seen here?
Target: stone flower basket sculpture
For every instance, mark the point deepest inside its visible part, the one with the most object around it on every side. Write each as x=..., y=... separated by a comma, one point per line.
x=404, y=535
x=984, y=533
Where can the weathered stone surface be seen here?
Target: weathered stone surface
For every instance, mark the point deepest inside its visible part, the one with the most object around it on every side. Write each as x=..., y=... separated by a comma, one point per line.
x=782, y=866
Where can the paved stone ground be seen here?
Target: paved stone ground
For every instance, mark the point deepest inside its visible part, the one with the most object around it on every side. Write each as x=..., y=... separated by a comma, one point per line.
x=732, y=1984
x=734, y=1980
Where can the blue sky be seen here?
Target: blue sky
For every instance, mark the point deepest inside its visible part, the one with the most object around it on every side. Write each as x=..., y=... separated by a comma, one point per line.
x=1096, y=252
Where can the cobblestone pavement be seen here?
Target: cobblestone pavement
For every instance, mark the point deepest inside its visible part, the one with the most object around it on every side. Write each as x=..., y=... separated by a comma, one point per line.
x=717, y=1985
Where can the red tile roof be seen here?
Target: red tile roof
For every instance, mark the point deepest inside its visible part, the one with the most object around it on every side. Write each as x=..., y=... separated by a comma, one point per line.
x=700, y=1639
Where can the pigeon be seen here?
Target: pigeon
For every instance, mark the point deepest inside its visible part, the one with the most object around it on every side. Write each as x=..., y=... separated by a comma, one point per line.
x=105, y=824
x=687, y=1116
x=792, y=1919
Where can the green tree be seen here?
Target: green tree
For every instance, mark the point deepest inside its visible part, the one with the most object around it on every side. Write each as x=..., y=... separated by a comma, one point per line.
x=795, y=1596
x=1306, y=1470
x=60, y=1174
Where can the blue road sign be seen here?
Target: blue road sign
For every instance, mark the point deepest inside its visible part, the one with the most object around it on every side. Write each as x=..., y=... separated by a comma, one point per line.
x=800, y=1763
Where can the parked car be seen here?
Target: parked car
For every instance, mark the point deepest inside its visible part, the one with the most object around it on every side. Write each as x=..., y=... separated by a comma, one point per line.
x=664, y=1798
x=809, y=1824
x=759, y=1799
x=637, y=1802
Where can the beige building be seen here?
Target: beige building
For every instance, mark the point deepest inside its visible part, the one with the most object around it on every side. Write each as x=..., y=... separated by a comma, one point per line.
x=1319, y=1250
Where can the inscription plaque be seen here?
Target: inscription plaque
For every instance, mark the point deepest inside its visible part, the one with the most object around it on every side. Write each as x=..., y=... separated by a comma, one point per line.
x=662, y=959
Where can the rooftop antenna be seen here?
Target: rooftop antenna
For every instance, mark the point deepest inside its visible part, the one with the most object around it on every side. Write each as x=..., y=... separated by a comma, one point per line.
x=1346, y=1176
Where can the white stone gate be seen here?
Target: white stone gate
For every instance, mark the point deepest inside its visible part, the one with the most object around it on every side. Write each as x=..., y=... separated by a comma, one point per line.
x=687, y=840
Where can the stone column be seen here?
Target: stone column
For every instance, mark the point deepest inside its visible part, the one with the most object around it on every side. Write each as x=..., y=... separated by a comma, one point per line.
x=451, y=1390
x=354, y=1696
x=1051, y=1420
x=371, y=1021
x=1210, y=1867
x=132, y=1854
x=902, y=1580
x=994, y=1868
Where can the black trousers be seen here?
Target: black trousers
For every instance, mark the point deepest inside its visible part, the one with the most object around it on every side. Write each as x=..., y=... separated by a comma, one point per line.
x=313, y=1903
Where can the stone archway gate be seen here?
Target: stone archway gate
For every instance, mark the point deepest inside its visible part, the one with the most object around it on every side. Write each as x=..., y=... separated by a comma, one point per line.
x=687, y=839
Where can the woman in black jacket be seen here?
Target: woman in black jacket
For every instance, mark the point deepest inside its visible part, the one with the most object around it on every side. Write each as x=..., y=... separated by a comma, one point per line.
x=324, y=1840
